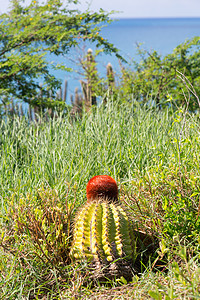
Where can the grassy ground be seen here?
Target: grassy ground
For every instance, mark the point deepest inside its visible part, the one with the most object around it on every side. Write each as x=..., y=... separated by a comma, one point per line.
x=153, y=155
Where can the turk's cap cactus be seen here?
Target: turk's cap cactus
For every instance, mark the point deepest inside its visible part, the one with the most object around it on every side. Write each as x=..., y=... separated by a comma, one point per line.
x=103, y=233
x=103, y=236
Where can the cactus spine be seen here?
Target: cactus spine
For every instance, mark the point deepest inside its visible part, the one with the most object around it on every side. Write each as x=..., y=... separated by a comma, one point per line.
x=102, y=233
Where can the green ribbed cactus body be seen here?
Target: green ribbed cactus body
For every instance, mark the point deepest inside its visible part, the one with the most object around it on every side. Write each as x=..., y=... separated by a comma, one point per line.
x=103, y=233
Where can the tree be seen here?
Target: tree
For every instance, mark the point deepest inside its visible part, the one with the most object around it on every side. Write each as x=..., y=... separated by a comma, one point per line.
x=28, y=34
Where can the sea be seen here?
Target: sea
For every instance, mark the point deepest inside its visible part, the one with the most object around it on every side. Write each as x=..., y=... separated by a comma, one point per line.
x=160, y=34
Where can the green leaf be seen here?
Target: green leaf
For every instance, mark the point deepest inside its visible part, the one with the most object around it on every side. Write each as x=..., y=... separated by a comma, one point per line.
x=155, y=295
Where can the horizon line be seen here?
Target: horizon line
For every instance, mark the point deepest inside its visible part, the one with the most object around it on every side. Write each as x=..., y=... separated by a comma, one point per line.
x=182, y=17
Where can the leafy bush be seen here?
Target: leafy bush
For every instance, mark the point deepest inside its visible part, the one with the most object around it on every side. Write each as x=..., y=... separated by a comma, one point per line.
x=172, y=80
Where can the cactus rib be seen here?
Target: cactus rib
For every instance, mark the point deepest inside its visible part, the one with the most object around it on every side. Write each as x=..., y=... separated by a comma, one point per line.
x=102, y=232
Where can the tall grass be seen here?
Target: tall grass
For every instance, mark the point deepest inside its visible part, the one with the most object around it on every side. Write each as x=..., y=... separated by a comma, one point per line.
x=154, y=156
x=118, y=140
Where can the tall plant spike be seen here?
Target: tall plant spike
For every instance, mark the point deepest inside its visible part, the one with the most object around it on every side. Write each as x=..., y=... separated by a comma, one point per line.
x=102, y=230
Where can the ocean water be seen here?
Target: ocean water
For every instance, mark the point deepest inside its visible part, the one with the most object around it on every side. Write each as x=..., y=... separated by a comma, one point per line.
x=162, y=35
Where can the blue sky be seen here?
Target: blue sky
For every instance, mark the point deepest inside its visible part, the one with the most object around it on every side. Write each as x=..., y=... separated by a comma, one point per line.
x=137, y=8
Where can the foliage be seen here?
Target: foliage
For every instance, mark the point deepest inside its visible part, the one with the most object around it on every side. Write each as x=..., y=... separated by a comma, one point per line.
x=172, y=80
x=40, y=224
x=153, y=155
x=173, y=203
x=37, y=229
x=29, y=34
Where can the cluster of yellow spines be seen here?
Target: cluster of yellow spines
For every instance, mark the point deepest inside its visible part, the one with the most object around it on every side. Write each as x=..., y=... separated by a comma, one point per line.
x=102, y=232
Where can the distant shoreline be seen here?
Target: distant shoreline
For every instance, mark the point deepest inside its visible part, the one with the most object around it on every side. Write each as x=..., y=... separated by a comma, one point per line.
x=156, y=18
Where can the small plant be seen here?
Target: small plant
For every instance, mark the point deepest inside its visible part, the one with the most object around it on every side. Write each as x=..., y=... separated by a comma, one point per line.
x=40, y=227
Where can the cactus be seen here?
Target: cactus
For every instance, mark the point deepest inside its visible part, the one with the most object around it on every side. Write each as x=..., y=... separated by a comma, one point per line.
x=110, y=75
x=103, y=234
x=102, y=187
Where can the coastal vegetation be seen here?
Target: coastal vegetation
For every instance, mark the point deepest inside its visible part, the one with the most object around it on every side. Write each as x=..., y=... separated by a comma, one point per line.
x=144, y=133
x=29, y=34
x=154, y=156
